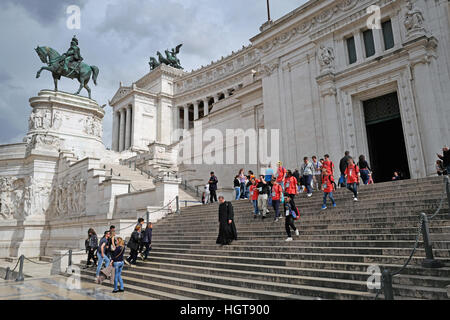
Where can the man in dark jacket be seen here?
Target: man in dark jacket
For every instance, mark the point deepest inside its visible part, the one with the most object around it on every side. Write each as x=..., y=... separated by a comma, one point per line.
x=342, y=167
x=147, y=240
x=133, y=244
x=264, y=189
x=445, y=159
x=227, y=228
x=213, y=181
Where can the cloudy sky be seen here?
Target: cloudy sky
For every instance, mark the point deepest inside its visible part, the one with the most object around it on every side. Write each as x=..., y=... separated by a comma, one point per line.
x=118, y=37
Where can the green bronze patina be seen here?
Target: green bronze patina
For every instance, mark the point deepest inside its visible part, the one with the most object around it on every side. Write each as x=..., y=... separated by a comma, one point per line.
x=69, y=65
x=170, y=59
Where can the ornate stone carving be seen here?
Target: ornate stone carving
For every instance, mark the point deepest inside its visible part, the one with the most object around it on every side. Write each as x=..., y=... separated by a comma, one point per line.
x=92, y=126
x=43, y=141
x=269, y=68
x=326, y=58
x=69, y=197
x=414, y=21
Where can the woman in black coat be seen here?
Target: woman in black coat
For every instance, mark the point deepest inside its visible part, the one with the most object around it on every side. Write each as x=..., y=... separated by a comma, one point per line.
x=227, y=228
x=91, y=247
x=133, y=244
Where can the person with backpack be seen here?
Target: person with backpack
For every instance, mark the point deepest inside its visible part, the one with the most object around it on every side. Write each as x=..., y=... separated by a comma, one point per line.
x=327, y=187
x=352, y=176
x=147, y=240
x=133, y=244
x=117, y=263
x=329, y=165
x=102, y=254
x=254, y=194
x=317, y=175
x=91, y=247
x=342, y=166
x=277, y=192
x=291, y=213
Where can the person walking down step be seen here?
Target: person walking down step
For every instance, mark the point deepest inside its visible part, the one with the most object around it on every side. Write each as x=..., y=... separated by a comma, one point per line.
x=237, y=188
x=317, y=176
x=147, y=240
x=91, y=247
x=352, y=176
x=281, y=174
x=102, y=254
x=117, y=263
x=291, y=214
x=277, y=192
x=307, y=171
x=291, y=186
x=327, y=187
x=227, y=227
x=263, y=197
x=133, y=244
x=254, y=194
x=329, y=165
x=213, y=181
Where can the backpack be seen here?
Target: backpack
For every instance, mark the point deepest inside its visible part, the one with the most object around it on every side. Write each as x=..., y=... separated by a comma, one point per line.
x=296, y=213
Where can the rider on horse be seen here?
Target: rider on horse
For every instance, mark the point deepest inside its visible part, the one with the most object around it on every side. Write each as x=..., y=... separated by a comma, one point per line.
x=73, y=54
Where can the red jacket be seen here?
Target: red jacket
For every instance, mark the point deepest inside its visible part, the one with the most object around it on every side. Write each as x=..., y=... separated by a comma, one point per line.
x=276, y=192
x=327, y=184
x=352, y=173
x=281, y=174
x=254, y=192
x=291, y=185
x=329, y=165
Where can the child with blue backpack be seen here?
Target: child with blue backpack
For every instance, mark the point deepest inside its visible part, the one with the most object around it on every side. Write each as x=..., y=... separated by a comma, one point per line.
x=328, y=188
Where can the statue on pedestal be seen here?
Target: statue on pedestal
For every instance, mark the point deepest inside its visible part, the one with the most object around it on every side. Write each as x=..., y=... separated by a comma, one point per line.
x=69, y=65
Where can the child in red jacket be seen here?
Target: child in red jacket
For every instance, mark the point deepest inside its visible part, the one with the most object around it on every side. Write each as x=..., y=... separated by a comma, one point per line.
x=352, y=175
x=327, y=187
x=254, y=194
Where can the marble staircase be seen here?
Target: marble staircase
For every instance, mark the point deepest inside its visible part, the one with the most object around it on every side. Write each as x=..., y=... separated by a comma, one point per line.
x=329, y=260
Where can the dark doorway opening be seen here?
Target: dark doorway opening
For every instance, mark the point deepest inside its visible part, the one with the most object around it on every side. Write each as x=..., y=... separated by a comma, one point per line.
x=385, y=137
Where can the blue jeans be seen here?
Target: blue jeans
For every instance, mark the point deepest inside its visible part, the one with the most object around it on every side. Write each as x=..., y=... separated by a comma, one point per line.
x=242, y=190
x=255, y=206
x=365, y=176
x=326, y=195
x=118, y=266
x=276, y=207
x=100, y=262
x=238, y=192
x=343, y=180
x=247, y=192
x=353, y=187
x=307, y=180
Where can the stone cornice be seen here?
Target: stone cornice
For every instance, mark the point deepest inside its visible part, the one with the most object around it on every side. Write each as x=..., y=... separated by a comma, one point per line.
x=125, y=92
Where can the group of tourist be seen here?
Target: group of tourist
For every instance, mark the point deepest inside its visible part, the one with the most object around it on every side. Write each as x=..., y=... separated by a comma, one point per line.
x=110, y=250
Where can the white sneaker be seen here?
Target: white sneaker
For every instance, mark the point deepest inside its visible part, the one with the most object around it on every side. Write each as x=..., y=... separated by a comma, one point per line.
x=297, y=233
x=289, y=239
x=309, y=195
x=355, y=199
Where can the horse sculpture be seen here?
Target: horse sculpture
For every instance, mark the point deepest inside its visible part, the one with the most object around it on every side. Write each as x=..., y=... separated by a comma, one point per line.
x=77, y=70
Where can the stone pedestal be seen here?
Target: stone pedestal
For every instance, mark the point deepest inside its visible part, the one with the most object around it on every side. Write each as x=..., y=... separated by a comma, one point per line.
x=65, y=121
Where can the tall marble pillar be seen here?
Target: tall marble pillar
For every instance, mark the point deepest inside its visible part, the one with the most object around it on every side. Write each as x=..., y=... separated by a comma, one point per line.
x=115, y=137
x=205, y=107
x=122, y=130
x=186, y=117
x=128, y=129
x=196, y=113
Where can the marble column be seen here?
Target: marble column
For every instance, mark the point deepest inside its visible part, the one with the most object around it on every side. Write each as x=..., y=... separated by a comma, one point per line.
x=196, y=113
x=128, y=129
x=122, y=130
x=378, y=40
x=359, y=48
x=227, y=93
x=206, y=107
x=186, y=117
x=115, y=138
